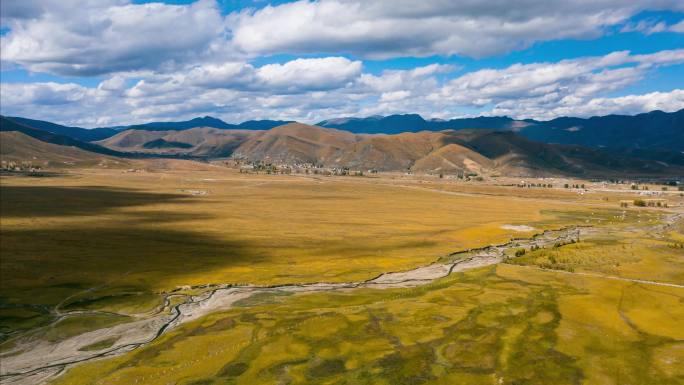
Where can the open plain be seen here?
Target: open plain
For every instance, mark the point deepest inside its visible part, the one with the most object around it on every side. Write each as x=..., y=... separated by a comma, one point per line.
x=192, y=273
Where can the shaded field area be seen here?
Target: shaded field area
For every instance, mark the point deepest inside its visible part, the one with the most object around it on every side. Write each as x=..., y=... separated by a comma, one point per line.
x=497, y=325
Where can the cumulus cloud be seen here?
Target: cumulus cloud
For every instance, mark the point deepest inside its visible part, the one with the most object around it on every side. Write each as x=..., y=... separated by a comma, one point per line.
x=311, y=74
x=319, y=88
x=101, y=37
x=628, y=105
x=678, y=27
x=292, y=77
x=391, y=28
x=236, y=90
x=548, y=84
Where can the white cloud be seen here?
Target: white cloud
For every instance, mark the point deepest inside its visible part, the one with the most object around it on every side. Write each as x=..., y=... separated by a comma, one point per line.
x=551, y=82
x=44, y=94
x=647, y=27
x=652, y=26
x=310, y=74
x=98, y=37
x=320, y=88
x=394, y=96
x=391, y=28
x=92, y=38
x=628, y=105
x=113, y=84
x=679, y=27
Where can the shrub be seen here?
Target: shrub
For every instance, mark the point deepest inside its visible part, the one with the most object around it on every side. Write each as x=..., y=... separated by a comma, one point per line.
x=639, y=203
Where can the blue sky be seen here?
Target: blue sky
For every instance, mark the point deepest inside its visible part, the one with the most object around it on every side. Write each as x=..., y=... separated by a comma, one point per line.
x=117, y=62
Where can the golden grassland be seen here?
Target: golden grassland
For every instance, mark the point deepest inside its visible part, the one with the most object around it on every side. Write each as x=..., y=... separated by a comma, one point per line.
x=625, y=254
x=113, y=240
x=110, y=239
x=497, y=325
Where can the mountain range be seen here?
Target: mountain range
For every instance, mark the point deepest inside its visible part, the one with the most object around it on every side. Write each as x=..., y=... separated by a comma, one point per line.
x=655, y=130
x=451, y=151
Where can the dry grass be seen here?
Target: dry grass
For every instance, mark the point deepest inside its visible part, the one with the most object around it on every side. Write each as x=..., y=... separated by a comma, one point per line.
x=148, y=232
x=498, y=325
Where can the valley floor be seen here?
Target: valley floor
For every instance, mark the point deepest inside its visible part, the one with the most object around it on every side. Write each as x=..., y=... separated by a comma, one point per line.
x=199, y=275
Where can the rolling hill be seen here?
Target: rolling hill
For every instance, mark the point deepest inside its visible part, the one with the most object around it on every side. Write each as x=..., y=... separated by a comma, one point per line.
x=297, y=143
x=19, y=147
x=58, y=139
x=196, y=142
x=82, y=134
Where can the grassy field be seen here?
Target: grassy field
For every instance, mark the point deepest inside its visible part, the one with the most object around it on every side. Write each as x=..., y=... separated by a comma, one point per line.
x=112, y=240
x=497, y=325
x=625, y=254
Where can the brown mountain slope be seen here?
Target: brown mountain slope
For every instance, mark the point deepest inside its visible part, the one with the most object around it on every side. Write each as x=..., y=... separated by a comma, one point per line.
x=297, y=143
x=453, y=158
x=19, y=147
x=130, y=140
x=390, y=152
x=200, y=141
x=513, y=154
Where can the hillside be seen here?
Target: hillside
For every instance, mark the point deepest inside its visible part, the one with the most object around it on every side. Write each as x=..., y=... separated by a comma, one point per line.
x=19, y=147
x=297, y=143
x=197, y=142
x=78, y=133
x=49, y=137
x=653, y=130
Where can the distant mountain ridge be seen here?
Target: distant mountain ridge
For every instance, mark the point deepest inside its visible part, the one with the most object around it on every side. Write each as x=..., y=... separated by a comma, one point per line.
x=395, y=124
x=206, y=121
x=100, y=133
x=53, y=138
x=652, y=130
x=78, y=133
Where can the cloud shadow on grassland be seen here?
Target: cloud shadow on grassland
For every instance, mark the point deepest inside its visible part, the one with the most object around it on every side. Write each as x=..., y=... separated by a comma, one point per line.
x=40, y=201
x=43, y=265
